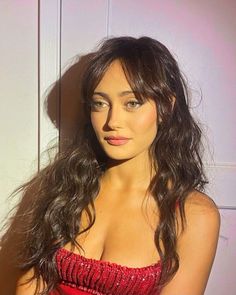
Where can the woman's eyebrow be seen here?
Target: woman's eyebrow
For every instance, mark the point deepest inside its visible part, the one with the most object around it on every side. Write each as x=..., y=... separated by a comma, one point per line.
x=122, y=93
x=103, y=94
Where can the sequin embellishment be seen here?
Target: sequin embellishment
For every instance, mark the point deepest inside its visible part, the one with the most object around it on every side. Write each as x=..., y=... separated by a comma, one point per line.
x=102, y=277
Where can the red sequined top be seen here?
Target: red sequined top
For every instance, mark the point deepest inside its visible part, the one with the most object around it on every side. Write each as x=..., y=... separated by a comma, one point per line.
x=80, y=275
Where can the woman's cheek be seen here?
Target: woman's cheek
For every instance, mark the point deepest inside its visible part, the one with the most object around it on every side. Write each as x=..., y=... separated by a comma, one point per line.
x=147, y=122
x=97, y=121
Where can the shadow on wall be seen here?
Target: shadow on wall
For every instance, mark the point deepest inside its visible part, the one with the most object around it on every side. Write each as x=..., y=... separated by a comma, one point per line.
x=65, y=109
x=63, y=104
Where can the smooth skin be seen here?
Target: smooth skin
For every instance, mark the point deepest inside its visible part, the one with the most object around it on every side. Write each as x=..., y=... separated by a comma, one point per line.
x=123, y=208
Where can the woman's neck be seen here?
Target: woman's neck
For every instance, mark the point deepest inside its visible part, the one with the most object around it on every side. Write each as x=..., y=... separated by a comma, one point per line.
x=131, y=174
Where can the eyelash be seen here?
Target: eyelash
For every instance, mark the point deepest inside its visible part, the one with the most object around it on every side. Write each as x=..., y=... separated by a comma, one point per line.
x=99, y=104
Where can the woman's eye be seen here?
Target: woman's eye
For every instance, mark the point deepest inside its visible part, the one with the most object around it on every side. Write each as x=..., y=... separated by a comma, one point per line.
x=133, y=104
x=98, y=104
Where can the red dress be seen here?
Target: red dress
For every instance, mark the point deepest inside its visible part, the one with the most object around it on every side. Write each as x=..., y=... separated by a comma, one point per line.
x=83, y=276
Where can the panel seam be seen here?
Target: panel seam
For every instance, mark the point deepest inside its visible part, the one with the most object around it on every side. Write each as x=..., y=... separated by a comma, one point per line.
x=38, y=91
x=226, y=207
x=59, y=72
x=108, y=18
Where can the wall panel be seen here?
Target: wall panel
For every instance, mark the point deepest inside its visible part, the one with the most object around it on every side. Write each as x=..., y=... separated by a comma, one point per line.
x=18, y=95
x=222, y=185
x=49, y=72
x=84, y=24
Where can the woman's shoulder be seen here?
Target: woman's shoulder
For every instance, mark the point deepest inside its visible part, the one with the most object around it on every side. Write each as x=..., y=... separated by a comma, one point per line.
x=201, y=213
x=198, y=202
x=196, y=245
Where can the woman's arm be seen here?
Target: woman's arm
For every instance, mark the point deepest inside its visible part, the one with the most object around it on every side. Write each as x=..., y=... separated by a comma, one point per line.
x=196, y=247
x=26, y=287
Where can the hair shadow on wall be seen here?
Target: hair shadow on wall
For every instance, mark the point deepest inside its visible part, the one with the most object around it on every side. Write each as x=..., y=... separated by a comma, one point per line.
x=64, y=105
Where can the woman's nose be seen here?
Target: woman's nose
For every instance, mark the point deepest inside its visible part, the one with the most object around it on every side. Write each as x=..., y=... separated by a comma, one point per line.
x=115, y=117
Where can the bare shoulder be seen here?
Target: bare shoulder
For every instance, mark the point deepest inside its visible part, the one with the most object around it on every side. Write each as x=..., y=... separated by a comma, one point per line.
x=200, y=199
x=196, y=246
x=201, y=209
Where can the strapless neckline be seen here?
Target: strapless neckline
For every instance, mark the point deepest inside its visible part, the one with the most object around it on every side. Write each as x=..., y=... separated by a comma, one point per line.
x=77, y=256
x=81, y=275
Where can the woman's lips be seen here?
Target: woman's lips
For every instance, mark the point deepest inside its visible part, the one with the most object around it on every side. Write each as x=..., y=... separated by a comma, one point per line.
x=116, y=140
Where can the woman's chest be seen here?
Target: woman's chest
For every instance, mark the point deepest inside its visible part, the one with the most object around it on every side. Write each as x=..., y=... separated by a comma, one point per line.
x=123, y=233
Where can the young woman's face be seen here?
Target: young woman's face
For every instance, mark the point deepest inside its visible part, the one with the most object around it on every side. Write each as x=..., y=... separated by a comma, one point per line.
x=124, y=127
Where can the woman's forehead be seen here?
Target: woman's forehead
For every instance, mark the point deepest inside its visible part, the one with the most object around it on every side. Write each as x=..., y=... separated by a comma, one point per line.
x=114, y=76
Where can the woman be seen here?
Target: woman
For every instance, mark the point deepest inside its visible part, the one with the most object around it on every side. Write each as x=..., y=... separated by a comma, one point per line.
x=122, y=210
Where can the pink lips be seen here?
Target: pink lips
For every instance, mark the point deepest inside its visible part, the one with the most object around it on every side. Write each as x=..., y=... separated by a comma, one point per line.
x=116, y=140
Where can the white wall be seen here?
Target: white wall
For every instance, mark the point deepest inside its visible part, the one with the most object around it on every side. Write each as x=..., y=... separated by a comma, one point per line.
x=18, y=95
x=201, y=34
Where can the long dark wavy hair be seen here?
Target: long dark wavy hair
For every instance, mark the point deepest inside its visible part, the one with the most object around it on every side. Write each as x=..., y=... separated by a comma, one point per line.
x=67, y=186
